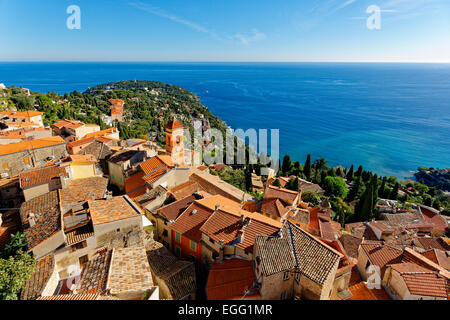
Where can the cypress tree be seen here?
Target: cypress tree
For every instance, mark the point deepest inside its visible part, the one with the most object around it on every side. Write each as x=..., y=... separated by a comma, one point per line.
x=350, y=174
x=286, y=164
x=394, y=192
x=307, y=167
x=359, y=171
x=248, y=179
x=383, y=186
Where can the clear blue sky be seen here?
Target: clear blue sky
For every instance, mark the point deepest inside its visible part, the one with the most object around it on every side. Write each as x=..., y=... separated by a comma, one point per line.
x=225, y=30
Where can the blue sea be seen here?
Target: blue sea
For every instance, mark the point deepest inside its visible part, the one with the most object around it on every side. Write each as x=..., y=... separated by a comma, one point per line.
x=390, y=118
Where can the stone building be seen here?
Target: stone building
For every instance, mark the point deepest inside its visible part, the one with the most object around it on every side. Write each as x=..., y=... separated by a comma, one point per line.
x=18, y=157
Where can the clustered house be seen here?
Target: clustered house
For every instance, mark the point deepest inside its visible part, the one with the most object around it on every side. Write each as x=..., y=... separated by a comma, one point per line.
x=113, y=219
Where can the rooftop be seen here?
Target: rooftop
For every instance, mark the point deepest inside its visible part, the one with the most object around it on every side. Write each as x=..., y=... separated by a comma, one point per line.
x=286, y=195
x=173, y=210
x=130, y=271
x=95, y=274
x=178, y=275
x=34, y=286
x=82, y=190
x=41, y=175
x=30, y=145
x=231, y=279
x=117, y=208
x=381, y=256
x=47, y=218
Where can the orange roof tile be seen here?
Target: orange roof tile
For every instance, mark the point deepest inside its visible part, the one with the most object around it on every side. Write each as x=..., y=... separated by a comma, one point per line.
x=174, y=124
x=231, y=279
x=117, y=208
x=30, y=145
x=40, y=175
x=21, y=114
x=105, y=132
x=381, y=256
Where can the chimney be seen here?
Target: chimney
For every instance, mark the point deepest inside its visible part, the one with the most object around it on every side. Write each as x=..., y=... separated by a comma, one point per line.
x=240, y=236
x=217, y=206
x=31, y=219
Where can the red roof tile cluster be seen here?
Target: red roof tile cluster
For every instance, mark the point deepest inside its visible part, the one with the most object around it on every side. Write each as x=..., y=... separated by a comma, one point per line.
x=231, y=279
x=184, y=190
x=287, y=196
x=173, y=210
x=191, y=220
x=436, y=219
x=433, y=243
x=441, y=258
x=381, y=256
x=34, y=286
x=41, y=175
x=273, y=207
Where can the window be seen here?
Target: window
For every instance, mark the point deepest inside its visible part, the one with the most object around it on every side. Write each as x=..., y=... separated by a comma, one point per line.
x=286, y=276
x=26, y=160
x=121, y=179
x=118, y=230
x=83, y=260
x=113, y=176
x=193, y=245
x=178, y=251
x=79, y=245
x=177, y=237
x=165, y=233
x=212, y=241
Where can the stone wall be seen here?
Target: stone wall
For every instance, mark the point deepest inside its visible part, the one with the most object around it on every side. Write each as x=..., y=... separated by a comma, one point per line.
x=14, y=163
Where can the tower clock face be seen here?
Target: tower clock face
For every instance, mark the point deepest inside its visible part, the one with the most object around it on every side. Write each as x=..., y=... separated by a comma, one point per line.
x=178, y=149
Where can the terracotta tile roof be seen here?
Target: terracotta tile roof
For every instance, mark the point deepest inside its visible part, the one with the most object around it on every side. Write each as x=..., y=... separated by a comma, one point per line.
x=135, y=185
x=275, y=254
x=155, y=163
x=421, y=281
x=21, y=114
x=189, y=222
x=79, y=234
x=273, y=207
x=95, y=274
x=231, y=279
x=41, y=175
x=184, y=190
x=117, y=208
x=173, y=210
x=129, y=271
x=442, y=258
x=383, y=226
x=409, y=267
x=178, y=275
x=68, y=123
x=360, y=230
x=105, y=132
x=126, y=155
x=75, y=297
x=361, y=292
x=34, y=286
x=351, y=245
x=312, y=257
x=381, y=256
x=174, y=124
x=227, y=227
x=433, y=243
x=82, y=190
x=435, y=218
x=287, y=196
x=47, y=218
x=30, y=145
x=81, y=142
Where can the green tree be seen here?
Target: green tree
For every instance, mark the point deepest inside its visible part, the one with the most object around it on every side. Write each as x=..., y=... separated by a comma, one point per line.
x=382, y=188
x=335, y=187
x=277, y=183
x=248, y=179
x=293, y=184
x=18, y=242
x=356, y=190
x=307, y=167
x=364, y=209
x=350, y=174
x=394, y=193
x=286, y=164
x=311, y=197
x=359, y=171
x=14, y=271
